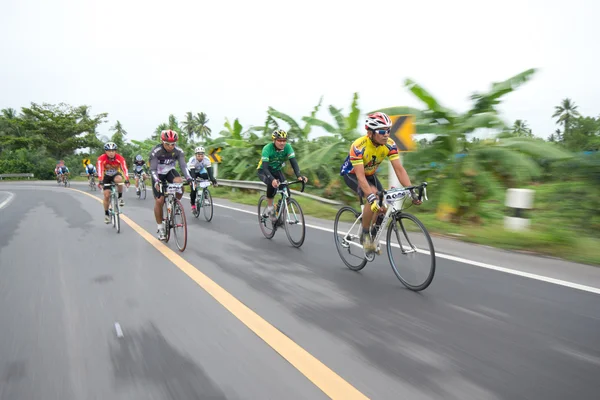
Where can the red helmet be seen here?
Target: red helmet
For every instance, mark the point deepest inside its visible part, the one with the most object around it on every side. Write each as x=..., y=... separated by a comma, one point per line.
x=378, y=120
x=169, y=136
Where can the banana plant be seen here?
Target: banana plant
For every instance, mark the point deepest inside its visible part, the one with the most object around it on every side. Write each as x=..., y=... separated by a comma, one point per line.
x=466, y=181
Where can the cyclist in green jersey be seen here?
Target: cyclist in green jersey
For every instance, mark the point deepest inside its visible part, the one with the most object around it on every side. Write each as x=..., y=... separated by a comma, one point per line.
x=274, y=156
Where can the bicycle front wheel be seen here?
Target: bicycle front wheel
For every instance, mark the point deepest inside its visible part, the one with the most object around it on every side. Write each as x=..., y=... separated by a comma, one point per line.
x=267, y=226
x=346, y=232
x=207, y=206
x=142, y=190
x=410, y=251
x=293, y=219
x=166, y=221
x=116, y=212
x=179, y=225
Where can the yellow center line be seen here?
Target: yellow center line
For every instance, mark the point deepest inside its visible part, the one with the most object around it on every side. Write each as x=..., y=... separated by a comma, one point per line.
x=318, y=373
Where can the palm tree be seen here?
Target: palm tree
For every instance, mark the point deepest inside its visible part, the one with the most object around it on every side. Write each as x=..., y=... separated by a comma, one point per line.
x=118, y=129
x=173, y=124
x=202, y=130
x=565, y=112
x=189, y=125
x=520, y=129
x=9, y=113
x=158, y=130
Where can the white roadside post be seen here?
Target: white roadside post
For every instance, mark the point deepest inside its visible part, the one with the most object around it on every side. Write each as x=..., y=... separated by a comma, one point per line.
x=518, y=200
x=392, y=178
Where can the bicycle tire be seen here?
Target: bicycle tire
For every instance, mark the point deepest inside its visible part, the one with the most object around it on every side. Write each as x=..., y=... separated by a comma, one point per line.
x=166, y=222
x=398, y=217
x=342, y=246
x=177, y=205
x=284, y=215
x=143, y=190
x=117, y=217
x=264, y=222
x=207, y=209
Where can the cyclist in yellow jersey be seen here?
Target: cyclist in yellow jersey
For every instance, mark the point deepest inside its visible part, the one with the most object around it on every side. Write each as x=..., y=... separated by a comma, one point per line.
x=358, y=170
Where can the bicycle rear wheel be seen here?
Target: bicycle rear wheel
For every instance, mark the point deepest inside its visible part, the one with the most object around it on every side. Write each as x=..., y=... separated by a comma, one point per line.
x=207, y=206
x=347, y=229
x=293, y=219
x=179, y=225
x=142, y=190
x=410, y=251
x=267, y=226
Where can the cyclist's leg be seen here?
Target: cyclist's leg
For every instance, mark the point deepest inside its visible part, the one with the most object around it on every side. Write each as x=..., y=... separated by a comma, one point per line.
x=136, y=176
x=194, y=175
x=106, y=180
x=174, y=177
x=159, y=200
x=270, y=189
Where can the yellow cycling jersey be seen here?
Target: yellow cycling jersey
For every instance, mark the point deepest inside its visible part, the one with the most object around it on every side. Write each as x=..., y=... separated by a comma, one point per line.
x=364, y=152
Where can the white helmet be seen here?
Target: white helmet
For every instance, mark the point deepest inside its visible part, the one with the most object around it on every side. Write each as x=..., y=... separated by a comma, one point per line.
x=199, y=149
x=378, y=120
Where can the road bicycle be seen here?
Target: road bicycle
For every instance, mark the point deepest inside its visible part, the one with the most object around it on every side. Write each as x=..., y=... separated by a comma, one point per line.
x=287, y=212
x=174, y=214
x=204, y=199
x=141, y=195
x=403, y=244
x=114, y=210
x=92, y=183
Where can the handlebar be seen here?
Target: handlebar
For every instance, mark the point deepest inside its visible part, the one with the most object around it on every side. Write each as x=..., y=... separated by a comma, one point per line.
x=422, y=191
x=286, y=183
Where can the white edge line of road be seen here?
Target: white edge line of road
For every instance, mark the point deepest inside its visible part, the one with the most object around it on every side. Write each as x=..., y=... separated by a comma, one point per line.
x=8, y=199
x=470, y=262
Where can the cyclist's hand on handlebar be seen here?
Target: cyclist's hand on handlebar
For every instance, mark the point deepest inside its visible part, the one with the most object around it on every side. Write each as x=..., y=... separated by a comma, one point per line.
x=127, y=183
x=372, y=199
x=157, y=186
x=303, y=179
x=275, y=183
x=415, y=197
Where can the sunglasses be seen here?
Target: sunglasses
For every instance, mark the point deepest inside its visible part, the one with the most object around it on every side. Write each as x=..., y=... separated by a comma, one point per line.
x=169, y=144
x=281, y=140
x=381, y=131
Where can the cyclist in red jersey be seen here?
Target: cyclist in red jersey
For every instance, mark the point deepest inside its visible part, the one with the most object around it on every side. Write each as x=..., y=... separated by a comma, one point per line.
x=112, y=167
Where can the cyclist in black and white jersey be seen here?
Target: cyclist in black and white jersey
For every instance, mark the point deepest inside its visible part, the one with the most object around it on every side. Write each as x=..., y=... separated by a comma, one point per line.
x=163, y=159
x=200, y=167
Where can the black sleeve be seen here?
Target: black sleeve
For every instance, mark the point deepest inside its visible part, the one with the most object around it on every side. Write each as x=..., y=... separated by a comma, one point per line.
x=295, y=166
x=210, y=173
x=265, y=168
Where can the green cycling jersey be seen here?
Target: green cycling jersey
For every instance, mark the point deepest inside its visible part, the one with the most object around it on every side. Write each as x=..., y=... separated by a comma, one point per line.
x=275, y=158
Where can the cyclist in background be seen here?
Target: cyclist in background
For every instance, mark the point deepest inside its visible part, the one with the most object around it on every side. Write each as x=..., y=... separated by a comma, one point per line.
x=274, y=156
x=112, y=168
x=63, y=172
x=200, y=167
x=90, y=170
x=139, y=170
x=163, y=158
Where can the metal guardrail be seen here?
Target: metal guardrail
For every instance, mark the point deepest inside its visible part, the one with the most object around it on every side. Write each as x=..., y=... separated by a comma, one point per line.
x=258, y=185
x=25, y=175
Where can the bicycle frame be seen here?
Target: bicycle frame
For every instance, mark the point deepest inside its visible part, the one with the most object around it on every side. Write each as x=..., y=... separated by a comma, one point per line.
x=395, y=199
x=284, y=190
x=201, y=185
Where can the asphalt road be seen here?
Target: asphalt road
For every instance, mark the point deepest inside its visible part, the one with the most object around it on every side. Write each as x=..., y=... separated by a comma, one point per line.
x=66, y=279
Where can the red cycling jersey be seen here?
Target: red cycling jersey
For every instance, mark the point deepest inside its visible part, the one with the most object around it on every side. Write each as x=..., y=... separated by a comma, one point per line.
x=109, y=167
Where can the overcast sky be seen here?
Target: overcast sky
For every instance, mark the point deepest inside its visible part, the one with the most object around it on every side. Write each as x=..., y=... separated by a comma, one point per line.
x=141, y=60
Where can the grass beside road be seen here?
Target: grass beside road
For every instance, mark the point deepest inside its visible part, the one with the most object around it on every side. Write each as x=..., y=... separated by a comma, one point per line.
x=547, y=237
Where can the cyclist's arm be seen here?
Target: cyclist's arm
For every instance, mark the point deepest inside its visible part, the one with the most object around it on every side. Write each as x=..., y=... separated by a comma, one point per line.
x=401, y=173
x=209, y=170
x=295, y=166
x=265, y=168
x=99, y=168
x=123, y=164
x=154, y=167
x=359, y=171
